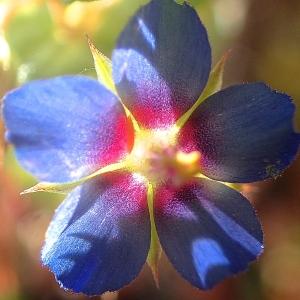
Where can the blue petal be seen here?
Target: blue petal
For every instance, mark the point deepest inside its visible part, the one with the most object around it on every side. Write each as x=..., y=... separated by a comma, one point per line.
x=99, y=237
x=207, y=230
x=244, y=133
x=66, y=127
x=161, y=62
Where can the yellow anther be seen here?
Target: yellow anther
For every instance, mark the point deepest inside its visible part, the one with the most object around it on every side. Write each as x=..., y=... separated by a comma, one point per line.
x=188, y=159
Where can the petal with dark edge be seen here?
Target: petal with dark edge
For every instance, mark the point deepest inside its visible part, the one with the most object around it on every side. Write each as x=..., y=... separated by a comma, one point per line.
x=99, y=237
x=161, y=62
x=207, y=230
x=244, y=133
x=65, y=128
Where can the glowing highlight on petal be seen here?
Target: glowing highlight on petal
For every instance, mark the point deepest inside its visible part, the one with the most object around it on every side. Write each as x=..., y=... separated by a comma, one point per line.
x=232, y=228
x=207, y=254
x=147, y=34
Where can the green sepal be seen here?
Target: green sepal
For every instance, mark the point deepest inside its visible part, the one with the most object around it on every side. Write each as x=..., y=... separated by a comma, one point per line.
x=214, y=84
x=236, y=186
x=215, y=80
x=154, y=253
x=103, y=68
x=66, y=187
x=104, y=73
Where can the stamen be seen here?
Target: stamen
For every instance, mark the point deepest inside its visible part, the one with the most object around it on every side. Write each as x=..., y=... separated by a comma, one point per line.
x=188, y=159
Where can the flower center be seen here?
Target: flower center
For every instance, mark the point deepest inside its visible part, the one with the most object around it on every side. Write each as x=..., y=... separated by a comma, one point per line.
x=156, y=157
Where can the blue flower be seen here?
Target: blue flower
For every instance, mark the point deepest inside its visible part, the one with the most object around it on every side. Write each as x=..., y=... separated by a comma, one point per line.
x=153, y=163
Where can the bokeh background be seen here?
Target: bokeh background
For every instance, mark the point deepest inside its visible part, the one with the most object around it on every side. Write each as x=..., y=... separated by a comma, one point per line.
x=40, y=38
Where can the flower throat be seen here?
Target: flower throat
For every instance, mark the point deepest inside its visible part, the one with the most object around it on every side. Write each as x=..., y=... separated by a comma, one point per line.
x=156, y=157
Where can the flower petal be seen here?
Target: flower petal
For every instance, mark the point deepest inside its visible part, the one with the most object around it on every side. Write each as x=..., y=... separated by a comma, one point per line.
x=244, y=133
x=162, y=62
x=65, y=128
x=207, y=230
x=99, y=238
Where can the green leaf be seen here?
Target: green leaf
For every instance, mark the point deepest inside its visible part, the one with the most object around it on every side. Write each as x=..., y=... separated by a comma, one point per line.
x=154, y=253
x=45, y=50
x=103, y=67
x=214, y=84
x=66, y=187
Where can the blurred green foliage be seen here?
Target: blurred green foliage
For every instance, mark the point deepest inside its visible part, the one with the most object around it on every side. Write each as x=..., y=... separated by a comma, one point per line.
x=70, y=1
x=46, y=40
